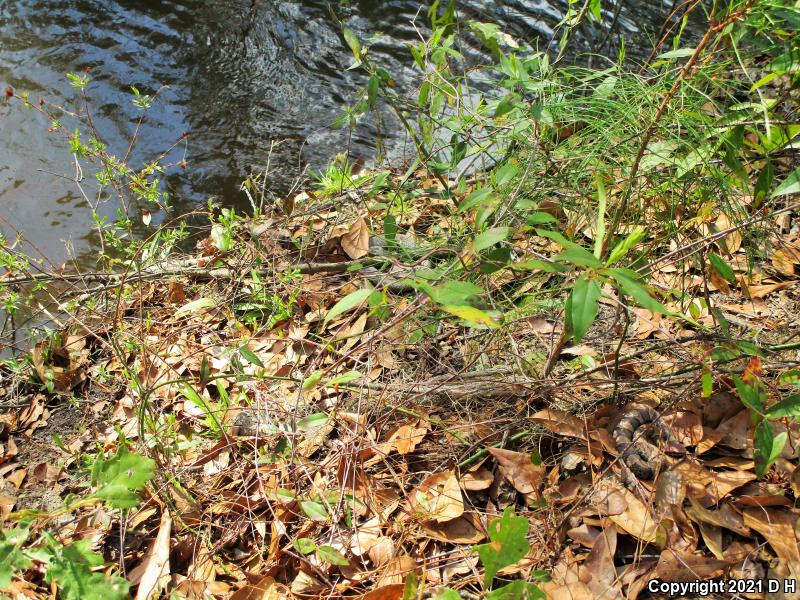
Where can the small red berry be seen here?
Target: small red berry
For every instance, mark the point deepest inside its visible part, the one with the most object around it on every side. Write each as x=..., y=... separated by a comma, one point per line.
x=41, y=101
x=9, y=92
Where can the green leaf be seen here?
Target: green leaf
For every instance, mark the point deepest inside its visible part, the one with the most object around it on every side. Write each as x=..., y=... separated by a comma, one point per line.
x=791, y=377
x=305, y=545
x=722, y=267
x=121, y=478
x=352, y=40
x=314, y=421
x=71, y=567
x=250, y=356
x=558, y=238
x=344, y=378
x=314, y=510
x=450, y=291
x=372, y=90
x=752, y=396
x=579, y=256
x=475, y=197
x=627, y=281
x=331, y=555
x=581, y=307
x=600, y=233
x=767, y=447
x=790, y=407
x=680, y=53
x=505, y=174
x=508, y=537
x=446, y=594
x=490, y=237
x=221, y=237
x=518, y=590
x=12, y=557
x=534, y=264
x=195, y=305
x=349, y=302
x=472, y=315
x=788, y=61
x=540, y=218
x=707, y=381
x=790, y=185
x=312, y=380
x=623, y=247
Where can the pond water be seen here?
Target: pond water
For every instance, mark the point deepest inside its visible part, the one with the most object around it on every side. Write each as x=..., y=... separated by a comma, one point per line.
x=241, y=74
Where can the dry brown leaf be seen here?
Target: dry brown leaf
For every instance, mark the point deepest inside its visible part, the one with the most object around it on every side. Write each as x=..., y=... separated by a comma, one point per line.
x=382, y=551
x=406, y=437
x=712, y=536
x=396, y=571
x=152, y=574
x=598, y=571
x=387, y=592
x=726, y=516
x=687, y=427
x=466, y=529
x=584, y=534
x=757, y=292
x=367, y=534
x=306, y=585
x=717, y=281
x=477, y=480
x=438, y=498
x=561, y=422
x=784, y=262
x=680, y=567
x=727, y=481
x=519, y=470
x=736, y=431
x=265, y=589
x=46, y=472
x=355, y=242
x=635, y=518
x=731, y=242
x=778, y=528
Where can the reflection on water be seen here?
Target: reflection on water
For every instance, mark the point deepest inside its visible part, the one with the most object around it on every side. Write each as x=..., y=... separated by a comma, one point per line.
x=240, y=74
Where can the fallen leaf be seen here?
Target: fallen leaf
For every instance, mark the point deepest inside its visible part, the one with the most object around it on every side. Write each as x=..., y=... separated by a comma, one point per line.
x=757, y=292
x=634, y=518
x=438, y=497
x=355, y=242
x=477, y=480
x=466, y=529
x=682, y=567
x=153, y=572
x=406, y=437
x=386, y=592
x=725, y=516
x=598, y=571
x=265, y=589
x=784, y=262
x=519, y=470
x=778, y=528
x=560, y=422
x=396, y=571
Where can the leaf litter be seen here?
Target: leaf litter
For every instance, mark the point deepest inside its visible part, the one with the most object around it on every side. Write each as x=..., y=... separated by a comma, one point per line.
x=315, y=435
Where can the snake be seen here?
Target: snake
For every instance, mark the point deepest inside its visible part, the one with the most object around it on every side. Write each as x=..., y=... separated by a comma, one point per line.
x=642, y=457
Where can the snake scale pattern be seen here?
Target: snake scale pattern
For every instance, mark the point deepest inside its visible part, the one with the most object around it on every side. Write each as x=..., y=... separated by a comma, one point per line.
x=641, y=456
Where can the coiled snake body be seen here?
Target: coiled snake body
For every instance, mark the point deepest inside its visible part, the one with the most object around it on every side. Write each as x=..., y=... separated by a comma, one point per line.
x=641, y=456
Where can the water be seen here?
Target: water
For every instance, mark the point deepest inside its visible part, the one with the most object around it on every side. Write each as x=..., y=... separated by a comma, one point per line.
x=240, y=75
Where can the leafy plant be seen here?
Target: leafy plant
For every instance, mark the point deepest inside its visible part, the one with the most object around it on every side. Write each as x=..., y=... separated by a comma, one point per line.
x=752, y=392
x=508, y=544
